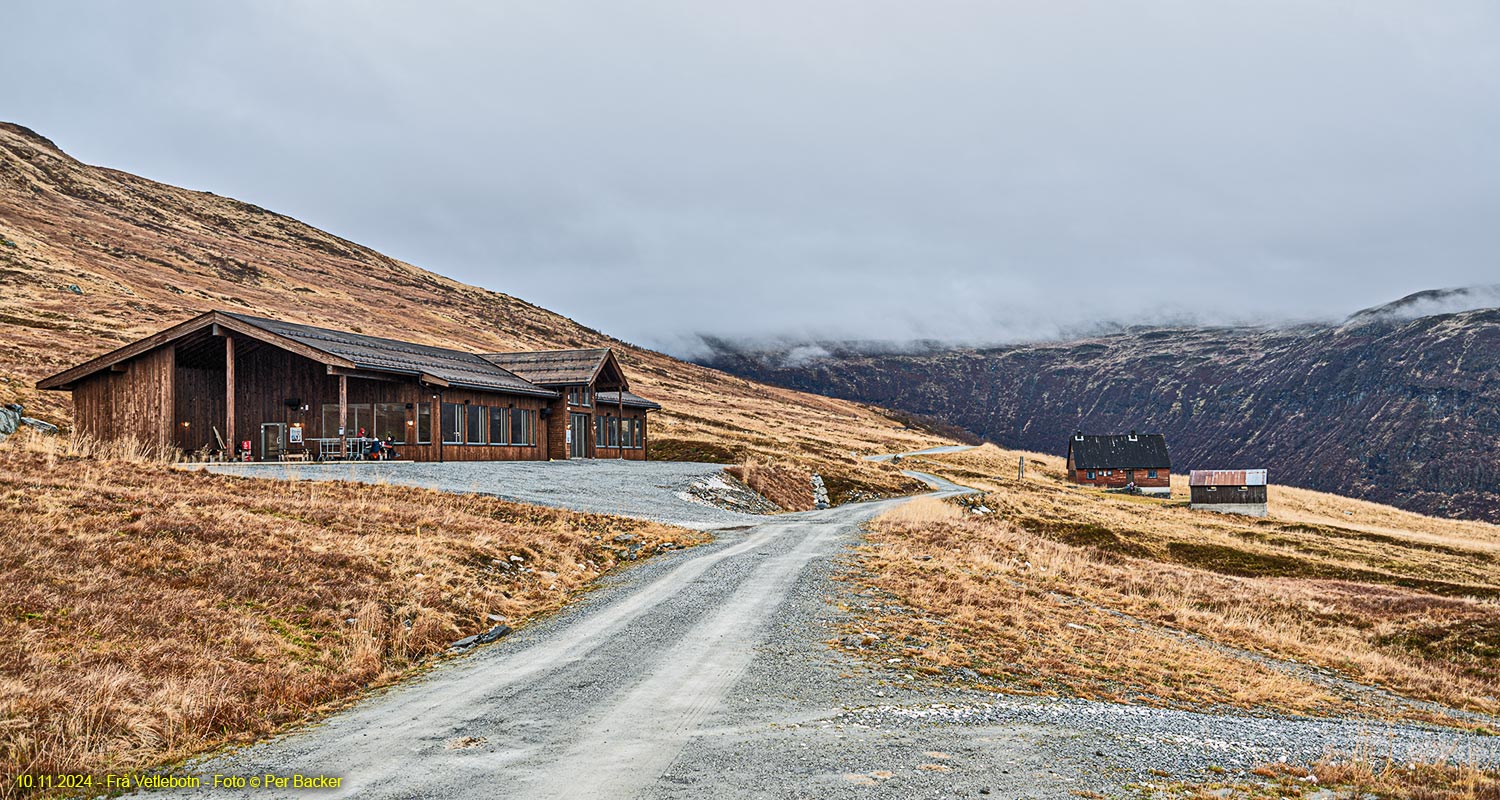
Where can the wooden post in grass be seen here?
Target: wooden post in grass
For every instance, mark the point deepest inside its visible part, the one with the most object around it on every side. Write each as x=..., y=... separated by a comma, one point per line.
x=1021, y=470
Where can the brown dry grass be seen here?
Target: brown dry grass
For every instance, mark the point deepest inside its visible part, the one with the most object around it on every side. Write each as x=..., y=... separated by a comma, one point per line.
x=147, y=613
x=1382, y=596
x=1359, y=776
x=146, y=256
x=788, y=487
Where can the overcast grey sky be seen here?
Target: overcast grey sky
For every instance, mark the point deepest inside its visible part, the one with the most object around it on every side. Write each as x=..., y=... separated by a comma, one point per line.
x=971, y=170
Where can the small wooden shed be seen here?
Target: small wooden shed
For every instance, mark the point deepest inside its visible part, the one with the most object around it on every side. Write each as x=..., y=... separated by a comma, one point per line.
x=1230, y=491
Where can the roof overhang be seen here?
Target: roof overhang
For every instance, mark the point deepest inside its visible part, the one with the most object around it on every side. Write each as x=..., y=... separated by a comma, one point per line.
x=220, y=324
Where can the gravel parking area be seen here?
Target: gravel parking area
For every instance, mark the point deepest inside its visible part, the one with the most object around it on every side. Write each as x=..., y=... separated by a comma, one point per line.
x=656, y=490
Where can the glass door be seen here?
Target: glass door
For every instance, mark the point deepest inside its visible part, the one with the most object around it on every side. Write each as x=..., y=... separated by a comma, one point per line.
x=578, y=433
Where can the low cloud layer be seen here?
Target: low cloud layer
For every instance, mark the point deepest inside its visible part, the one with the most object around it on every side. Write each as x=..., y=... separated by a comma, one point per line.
x=873, y=170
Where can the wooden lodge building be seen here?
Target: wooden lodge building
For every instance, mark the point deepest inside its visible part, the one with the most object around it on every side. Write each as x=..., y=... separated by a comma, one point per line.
x=1119, y=460
x=273, y=390
x=1230, y=491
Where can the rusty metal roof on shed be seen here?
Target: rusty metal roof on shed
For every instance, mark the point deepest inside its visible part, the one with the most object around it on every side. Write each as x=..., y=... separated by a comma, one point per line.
x=454, y=367
x=1119, y=451
x=632, y=400
x=554, y=367
x=1227, y=477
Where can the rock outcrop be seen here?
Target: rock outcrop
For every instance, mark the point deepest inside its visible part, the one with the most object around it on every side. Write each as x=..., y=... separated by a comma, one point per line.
x=13, y=417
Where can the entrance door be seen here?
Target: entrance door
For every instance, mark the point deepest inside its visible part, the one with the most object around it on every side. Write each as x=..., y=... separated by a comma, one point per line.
x=272, y=441
x=578, y=425
x=1130, y=476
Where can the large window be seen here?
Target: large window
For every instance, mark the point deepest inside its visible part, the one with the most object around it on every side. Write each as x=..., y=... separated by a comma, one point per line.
x=499, y=426
x=360, y=416
x=390, y=420
x=424, y=423
x=453, y=423
x=522, y=426
x=476, y=422
x=615, y=432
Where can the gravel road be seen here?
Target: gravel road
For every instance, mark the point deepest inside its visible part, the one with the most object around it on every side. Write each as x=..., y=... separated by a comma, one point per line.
x=707, y=673
x=931, y=451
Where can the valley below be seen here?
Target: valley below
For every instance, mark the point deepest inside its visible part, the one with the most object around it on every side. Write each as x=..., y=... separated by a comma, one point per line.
x=1403, y=411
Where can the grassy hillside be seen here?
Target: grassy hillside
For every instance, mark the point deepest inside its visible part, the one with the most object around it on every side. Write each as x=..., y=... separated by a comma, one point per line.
x=1065, y=589
x=147, y=613
x=91, y=258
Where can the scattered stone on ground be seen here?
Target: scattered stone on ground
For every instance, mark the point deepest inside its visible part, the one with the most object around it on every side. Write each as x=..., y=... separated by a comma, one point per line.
x=728, y=492
x=13, y=416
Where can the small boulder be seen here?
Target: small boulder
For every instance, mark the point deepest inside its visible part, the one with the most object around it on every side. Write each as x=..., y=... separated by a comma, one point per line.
x=10, y=419
x=39, y=425
x=492, y=634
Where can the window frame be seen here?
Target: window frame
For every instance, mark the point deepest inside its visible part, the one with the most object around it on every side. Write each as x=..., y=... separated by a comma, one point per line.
x=476, y=435
x=399, y=428
x=424, y=432
x=522, y=427
x=502, y=414
x=454, y=435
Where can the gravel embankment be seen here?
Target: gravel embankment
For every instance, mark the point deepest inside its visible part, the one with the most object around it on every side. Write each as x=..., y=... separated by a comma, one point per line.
x=656, y=490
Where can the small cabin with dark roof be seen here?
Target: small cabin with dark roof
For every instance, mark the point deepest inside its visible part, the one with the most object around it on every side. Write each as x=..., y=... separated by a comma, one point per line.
x=265, y=389
x=1230, y=491
x=1117, y=461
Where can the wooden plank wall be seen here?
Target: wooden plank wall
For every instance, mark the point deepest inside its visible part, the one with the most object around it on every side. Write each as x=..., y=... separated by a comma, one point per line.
x=268, y=377
x=135, y=403
x=199, y=401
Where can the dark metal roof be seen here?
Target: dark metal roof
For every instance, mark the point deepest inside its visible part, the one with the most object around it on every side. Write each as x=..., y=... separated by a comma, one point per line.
x=632, y=400
x=454, y=367
x=554, y=367
x=1122, y=451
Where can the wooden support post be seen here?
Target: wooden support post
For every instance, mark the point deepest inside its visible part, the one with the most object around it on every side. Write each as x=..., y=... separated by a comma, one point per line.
x=620, y=395
x=344, y=416
x=229, y=432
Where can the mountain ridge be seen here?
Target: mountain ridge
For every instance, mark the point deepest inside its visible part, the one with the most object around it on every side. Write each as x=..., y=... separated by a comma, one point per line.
x=1400, y=411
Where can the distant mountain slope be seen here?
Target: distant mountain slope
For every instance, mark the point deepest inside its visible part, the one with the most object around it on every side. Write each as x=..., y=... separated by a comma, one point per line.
x=1400, y=410
x=91, y=258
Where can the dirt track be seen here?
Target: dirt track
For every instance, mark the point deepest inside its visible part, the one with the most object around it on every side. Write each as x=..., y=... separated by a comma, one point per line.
x=707, y=673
